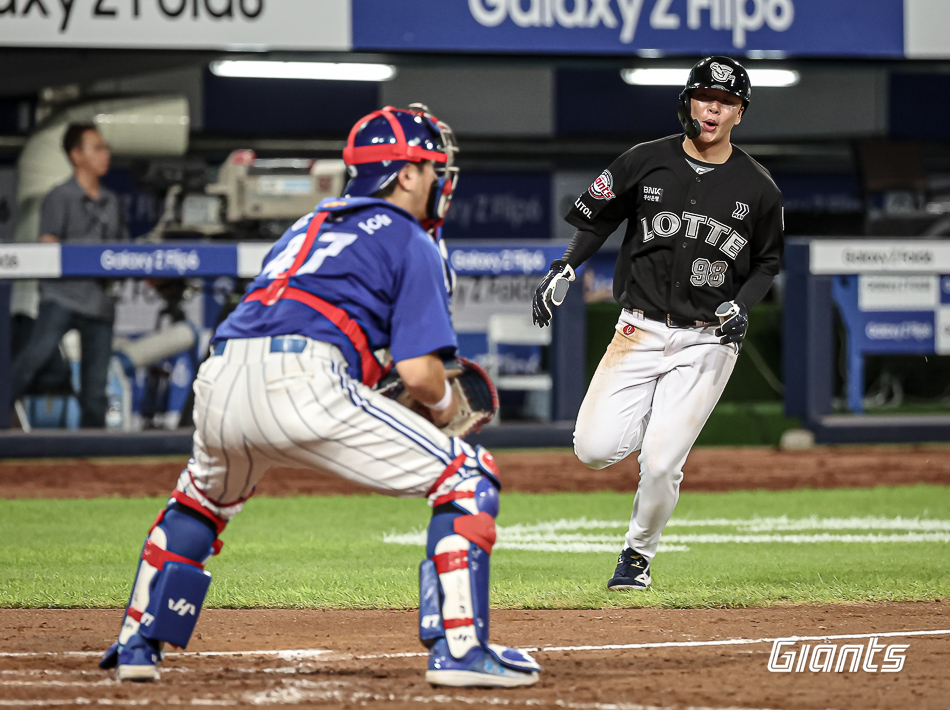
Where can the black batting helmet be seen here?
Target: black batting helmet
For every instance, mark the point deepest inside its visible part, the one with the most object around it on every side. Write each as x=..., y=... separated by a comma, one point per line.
x=714, y=72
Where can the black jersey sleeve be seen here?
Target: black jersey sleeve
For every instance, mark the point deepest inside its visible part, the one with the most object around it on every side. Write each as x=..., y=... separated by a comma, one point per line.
x=768, y=247
x=754, y=288
x=768, y=237
x=609, y=200
x=583, y=246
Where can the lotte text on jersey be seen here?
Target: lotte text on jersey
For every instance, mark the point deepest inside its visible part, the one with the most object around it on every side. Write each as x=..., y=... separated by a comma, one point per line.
x=696, y=230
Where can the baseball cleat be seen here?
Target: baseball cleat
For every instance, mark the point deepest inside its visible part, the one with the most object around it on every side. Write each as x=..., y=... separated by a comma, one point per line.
x=110, y=659
x=633, y=572
x=481, y=668
x=138, y=660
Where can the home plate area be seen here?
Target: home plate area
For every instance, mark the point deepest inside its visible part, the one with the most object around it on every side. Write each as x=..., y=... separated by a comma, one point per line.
x=623, y=659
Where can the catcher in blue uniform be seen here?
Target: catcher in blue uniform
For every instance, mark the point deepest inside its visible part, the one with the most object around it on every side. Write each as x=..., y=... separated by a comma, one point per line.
x=291, y=383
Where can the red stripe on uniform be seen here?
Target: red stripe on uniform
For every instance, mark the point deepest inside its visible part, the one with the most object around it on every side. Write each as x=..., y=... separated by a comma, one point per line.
x=450, y=470
x=188, y=502
x=157, y=557
x=278, y=289
x=453, y=495
x=449, y=561
x=455, y=623
x=134, y=614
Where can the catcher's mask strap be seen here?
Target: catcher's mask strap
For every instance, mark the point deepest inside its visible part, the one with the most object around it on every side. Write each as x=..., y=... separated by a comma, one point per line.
x=370, y=370
x=400, y=150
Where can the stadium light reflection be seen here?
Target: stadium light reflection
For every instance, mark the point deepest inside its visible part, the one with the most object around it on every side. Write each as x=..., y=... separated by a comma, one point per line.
x=321, y=71
x=677, y=77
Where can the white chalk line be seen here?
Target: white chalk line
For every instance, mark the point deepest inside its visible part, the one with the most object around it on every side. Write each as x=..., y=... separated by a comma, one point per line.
x=570, y=535
x=742, y=642
x=770, y=524
x=283, y=655
x=296, y=692
x=328, y=655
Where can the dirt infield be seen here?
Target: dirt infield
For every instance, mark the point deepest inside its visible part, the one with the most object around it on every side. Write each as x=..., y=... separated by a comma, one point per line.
x=362, y=665
x=719, y=469
x=372, y=659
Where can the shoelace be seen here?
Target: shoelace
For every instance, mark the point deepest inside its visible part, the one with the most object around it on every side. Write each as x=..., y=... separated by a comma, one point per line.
x=629, y=562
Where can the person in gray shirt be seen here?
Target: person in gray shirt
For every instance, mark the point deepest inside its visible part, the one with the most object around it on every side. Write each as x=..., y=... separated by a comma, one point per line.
x=79, y=210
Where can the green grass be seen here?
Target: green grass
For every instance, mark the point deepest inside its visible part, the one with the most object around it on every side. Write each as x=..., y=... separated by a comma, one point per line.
x=329, y=552
x=746, y=424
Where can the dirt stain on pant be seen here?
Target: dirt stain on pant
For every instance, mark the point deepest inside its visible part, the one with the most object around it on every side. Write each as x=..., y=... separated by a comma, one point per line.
x=626, y=339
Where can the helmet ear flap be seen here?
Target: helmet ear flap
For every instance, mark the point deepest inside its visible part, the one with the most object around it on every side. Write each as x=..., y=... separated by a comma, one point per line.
x=684, y=113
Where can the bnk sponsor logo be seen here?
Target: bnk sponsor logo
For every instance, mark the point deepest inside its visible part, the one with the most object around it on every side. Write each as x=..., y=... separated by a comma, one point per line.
x=652, y=194
x=875, y=657
x=737, y=16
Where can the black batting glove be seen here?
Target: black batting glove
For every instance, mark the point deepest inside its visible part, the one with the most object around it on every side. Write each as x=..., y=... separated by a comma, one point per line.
x=551, y=292
x=733, y=323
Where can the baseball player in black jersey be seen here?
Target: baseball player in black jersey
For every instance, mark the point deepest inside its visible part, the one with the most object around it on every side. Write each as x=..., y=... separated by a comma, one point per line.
x=704, y=240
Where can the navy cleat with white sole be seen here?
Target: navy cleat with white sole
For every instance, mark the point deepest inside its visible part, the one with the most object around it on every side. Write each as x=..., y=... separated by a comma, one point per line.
x=138, y=660
x=633, y=572
x=497, y=667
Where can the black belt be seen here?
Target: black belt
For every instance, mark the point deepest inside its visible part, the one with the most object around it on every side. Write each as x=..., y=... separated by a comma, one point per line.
x=674, y=322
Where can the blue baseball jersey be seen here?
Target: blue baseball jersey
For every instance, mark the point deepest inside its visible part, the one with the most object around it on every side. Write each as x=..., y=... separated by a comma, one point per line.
x=373, y=260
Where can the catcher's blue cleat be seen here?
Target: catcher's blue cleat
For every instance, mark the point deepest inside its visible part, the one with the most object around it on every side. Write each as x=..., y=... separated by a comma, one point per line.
x=480, y=668
x=110, y=659
x=138, y=659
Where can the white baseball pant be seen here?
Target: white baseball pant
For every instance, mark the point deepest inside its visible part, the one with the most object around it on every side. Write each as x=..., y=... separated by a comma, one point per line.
x=653, y=391
x=256, y=410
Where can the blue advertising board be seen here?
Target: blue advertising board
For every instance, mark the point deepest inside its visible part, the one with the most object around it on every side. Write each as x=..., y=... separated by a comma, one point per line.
x=478, y=260
x=503, y=205
x=793, y=27
x=169, y=259
x=889, y=314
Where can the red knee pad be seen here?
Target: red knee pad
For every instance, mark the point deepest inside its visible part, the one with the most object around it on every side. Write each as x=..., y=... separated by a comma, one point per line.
x=479, y=529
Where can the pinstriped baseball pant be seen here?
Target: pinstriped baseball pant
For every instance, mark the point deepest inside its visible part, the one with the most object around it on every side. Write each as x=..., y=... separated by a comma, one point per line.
x=256, y=410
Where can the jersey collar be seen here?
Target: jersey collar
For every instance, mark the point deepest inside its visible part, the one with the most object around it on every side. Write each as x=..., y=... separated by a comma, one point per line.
x=348, y=204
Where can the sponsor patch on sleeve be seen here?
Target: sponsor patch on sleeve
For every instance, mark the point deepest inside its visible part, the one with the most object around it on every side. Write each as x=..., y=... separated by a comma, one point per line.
x=602, y=187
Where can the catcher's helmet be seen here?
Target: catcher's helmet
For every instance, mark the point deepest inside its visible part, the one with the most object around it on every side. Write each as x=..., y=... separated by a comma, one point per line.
x=381, y=143
x=720, y=73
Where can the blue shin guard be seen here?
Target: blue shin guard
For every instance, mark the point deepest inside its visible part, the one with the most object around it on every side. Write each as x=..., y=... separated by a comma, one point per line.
x=175, y=603
x=169, y=590
x=454, y=583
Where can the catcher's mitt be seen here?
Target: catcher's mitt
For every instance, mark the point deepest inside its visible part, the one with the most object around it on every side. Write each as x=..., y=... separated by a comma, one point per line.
x=476, y=394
